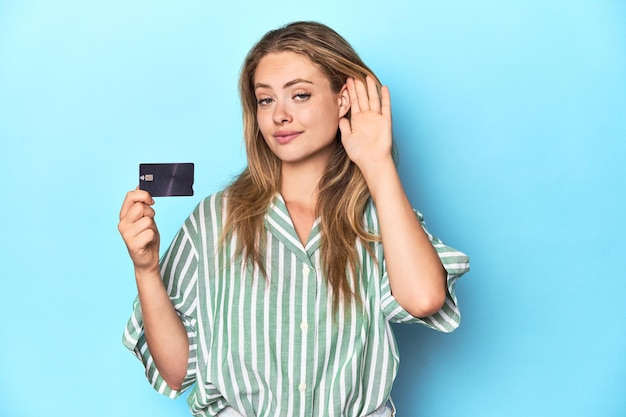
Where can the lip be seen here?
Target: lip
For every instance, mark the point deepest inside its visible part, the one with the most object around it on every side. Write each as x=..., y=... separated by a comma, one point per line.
x=283, y=137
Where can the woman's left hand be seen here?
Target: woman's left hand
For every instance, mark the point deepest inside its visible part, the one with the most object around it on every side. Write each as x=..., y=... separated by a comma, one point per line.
x=366, y=136
x=416, y=275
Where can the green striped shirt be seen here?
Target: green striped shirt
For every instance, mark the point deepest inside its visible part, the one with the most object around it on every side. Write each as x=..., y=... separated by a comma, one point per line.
x=272, y=347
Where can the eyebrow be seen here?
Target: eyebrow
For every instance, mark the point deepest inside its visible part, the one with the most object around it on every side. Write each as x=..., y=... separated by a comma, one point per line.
x=286, y=85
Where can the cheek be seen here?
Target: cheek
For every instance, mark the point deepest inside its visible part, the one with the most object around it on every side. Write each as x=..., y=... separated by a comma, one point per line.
x=266, y=129
x=328, y=119
x=263, y=122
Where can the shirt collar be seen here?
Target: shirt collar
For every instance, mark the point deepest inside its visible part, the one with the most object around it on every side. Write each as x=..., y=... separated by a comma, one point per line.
x=279, y=223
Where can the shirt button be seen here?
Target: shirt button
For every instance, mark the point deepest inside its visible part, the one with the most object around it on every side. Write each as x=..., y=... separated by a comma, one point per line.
x=302, y=387
x=304, y=326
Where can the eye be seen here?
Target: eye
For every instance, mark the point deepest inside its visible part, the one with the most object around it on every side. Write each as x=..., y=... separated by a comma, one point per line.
x=263, y=101
x=302, y=96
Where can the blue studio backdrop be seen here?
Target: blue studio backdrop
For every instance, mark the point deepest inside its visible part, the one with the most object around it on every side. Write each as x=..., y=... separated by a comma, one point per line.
x=510, y=120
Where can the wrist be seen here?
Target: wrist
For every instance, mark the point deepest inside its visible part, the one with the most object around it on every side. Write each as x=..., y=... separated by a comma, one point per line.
x=143, y=273
x=380, y=175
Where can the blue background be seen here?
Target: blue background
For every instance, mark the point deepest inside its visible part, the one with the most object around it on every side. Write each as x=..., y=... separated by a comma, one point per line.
x=510, y=118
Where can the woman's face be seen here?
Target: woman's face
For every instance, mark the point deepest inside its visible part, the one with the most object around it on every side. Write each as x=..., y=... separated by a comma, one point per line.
x=297, y=111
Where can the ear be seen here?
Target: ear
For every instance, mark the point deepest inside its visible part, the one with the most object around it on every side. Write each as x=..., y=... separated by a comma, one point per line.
x=344, y=101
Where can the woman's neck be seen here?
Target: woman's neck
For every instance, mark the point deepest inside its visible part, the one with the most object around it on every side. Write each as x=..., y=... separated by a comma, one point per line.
x=300, y=184
x=300, y=190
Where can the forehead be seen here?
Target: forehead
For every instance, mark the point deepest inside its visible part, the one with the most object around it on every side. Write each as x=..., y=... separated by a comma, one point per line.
x=282, y=67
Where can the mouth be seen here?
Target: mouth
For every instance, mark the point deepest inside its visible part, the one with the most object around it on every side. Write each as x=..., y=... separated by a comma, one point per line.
x=284, y=137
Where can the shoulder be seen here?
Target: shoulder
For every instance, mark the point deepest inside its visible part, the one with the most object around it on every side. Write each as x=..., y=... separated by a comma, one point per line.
x=208, y=211
x=215, y=201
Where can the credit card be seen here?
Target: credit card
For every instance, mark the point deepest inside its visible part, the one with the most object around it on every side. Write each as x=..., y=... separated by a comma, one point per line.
x=167, y=180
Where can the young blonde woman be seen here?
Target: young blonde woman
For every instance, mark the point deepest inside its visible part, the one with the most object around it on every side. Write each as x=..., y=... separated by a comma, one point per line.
x=275, y=297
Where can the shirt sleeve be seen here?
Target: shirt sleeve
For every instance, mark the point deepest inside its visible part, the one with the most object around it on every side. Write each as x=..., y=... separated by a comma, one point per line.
x=448, y=317
x=179, y=274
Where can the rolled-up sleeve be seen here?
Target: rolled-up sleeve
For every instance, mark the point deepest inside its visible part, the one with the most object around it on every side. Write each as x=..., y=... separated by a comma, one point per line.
x=179, y=273
x=448, y=317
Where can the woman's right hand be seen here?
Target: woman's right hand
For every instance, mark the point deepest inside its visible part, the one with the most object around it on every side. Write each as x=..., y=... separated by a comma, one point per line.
x=165, y=333
x=139, y=230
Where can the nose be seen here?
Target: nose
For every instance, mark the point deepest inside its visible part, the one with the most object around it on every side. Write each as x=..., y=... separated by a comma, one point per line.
x=282, y=114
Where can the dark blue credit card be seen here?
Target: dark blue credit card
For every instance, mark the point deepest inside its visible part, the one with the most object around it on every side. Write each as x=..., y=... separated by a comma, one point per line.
x=167, y=180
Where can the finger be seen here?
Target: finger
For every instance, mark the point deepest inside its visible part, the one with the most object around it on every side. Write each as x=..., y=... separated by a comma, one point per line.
x=362, y=97
x=386, y=101
x=345, y=128
x=137, y=211
x=135, y=196
x=372, y=91
x=134, y=234
x=143, y=243
x=354, y=104
x=141, y=226
x=135, y=222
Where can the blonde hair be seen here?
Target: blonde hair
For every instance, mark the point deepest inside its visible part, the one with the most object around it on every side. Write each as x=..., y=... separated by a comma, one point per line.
x=343, y=193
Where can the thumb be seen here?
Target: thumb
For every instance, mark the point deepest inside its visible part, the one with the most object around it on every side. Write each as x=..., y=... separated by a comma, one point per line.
x=345, y=127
